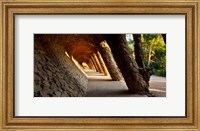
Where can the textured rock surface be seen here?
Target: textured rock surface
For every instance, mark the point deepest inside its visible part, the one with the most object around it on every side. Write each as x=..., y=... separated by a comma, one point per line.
x=127, y=65
x=110, y=62
x=57, y=75
x=52, y=79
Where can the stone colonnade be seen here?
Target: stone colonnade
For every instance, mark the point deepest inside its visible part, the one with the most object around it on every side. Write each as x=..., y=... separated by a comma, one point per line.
x=112, y=57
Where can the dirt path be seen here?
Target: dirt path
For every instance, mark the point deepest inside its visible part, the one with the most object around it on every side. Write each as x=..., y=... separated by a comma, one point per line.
x=102, y=86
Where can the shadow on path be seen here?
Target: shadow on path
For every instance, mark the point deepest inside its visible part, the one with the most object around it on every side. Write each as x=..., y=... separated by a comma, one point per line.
x=100, y=85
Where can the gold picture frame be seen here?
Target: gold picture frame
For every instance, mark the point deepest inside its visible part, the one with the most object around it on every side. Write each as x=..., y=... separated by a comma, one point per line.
x=9, y=8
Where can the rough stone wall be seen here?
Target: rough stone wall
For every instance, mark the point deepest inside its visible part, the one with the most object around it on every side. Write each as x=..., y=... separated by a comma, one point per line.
x=52, y=79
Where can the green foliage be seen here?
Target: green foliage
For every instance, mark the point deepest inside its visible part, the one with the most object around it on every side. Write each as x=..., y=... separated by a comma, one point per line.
x=158, y=52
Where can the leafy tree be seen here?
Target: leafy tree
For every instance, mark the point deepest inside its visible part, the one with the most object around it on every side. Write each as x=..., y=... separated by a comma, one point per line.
x=155, y=53
x=154, y=49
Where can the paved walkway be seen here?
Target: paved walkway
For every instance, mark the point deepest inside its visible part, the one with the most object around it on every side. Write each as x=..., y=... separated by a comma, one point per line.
x=103, y=86
x=158, y=86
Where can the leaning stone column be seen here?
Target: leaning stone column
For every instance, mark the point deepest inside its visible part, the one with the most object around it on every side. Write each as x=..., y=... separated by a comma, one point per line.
x=127, y=64
x=105, y=70
x=106, y=54
x=95, y=64
x=93, y=67
x=98, y=63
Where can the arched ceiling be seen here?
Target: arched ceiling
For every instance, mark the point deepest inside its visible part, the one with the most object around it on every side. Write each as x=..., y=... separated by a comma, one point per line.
x=80, y=46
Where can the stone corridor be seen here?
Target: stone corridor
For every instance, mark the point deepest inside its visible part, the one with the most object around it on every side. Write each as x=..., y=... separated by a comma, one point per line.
x=78, y=65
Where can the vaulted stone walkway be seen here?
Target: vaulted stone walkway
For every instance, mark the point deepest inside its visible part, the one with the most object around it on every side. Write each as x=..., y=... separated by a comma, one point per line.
x=78, y=65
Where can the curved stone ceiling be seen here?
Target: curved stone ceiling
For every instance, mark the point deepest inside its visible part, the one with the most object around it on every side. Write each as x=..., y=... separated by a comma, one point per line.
x=80, y=46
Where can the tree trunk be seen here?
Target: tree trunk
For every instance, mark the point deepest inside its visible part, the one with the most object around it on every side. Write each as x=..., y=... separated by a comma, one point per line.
x=127, y=64
x=164, y=37
x=138, y=50
x=139, y=57
x=149, y=56
x=106, y=54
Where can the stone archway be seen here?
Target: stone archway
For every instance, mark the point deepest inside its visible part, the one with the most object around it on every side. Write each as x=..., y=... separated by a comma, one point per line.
x=68, y=79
